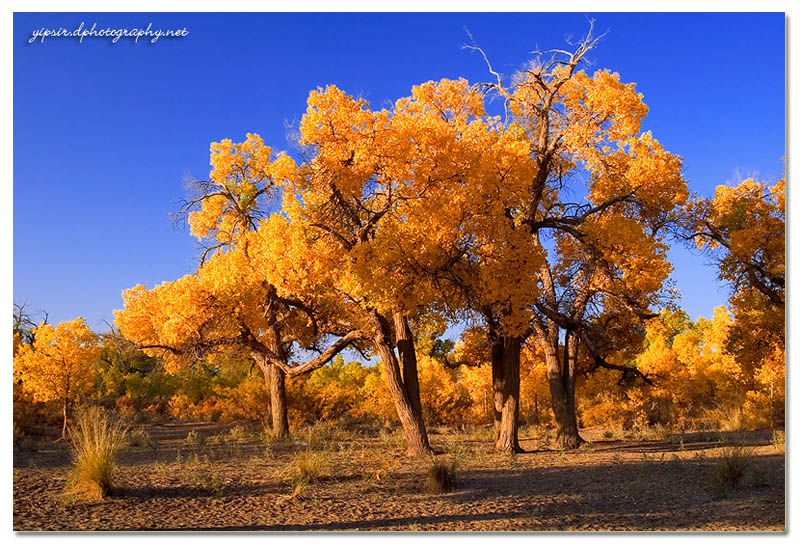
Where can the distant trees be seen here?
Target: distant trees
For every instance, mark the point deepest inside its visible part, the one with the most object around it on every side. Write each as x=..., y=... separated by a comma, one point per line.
x=59, y=364
x=743, y=229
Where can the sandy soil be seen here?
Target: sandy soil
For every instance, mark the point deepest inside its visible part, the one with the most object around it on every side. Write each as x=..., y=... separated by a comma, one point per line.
x=369, y=484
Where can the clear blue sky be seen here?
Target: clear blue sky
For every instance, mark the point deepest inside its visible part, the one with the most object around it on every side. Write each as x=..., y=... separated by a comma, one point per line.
x=104, y=134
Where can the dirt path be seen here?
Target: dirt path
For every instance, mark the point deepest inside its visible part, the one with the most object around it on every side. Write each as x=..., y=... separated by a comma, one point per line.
x=368, y=484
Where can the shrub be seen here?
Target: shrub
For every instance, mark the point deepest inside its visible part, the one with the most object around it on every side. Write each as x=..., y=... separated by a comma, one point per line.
x=733, y=464
x=140, y=437
x=306, y=467
x=95, y=440
x=441, y=476
x=195, y=439
x=203, y=473
x=238, y=434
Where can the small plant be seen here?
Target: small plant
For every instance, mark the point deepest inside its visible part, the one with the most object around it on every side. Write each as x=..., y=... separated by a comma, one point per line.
x=140, y=438
x=195, y=439
x=160, y=469
x=441, y=477
x=238, y=434
x=390, y=439
x=778, y=438
x=732, y=467
x=95, y=440
x=201, y=472
x=383, y=471
x=306, y=468
x=608, y=434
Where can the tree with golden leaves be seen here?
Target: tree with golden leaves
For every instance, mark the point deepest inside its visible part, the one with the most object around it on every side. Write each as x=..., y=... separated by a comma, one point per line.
x=231, y=307
x=606, y=253
x=223, y=308
x=58, y=364
x=743, y=229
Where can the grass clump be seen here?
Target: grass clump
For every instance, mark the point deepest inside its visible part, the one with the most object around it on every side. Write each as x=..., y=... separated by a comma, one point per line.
x=195, y=439
x=139, y=437
x=201, y=472
x=238, y=434
x=734, y=462
x=441, y=476
x=307, y=467
x=95, y=440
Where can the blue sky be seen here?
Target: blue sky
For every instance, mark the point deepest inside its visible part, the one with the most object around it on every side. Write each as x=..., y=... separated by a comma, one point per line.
x=105, y=134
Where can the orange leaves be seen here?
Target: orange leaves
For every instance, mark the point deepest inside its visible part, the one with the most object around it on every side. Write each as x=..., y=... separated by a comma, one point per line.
x=59, y=366
x=743, y=227
x=243, y=177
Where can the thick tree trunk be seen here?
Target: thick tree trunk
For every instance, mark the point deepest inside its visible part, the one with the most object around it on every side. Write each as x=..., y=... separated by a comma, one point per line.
x=561, y=377
x=280, y=411
x=275, y=382
x=507, y=439
x=408, y=358
x=498, y=381
x=413, y=424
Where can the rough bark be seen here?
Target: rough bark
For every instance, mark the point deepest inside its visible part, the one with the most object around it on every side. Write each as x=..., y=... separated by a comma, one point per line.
x=275, y=381
x=280, y=410
x=408, y=358
x=561, y=377
x=498, y=381
x=413, y=424
x=507, y=438
x=277, y=387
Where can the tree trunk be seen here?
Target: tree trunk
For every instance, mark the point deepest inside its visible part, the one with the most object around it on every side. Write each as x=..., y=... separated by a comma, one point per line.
x=280, y=412
x=408, y=358
x=507, y=438
x=64, y=426
x=413, y=423
x=561, y=377
x=498, y=381
x=277, y=393
x=275, y=381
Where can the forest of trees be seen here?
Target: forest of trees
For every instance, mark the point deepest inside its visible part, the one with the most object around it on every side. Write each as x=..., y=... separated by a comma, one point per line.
x=540, y=232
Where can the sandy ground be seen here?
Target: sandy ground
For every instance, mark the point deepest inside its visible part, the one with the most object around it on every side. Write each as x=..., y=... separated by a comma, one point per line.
x=367, y=483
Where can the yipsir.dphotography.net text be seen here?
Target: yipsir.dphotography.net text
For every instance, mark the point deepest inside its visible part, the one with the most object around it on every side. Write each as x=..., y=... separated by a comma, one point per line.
x=115, y=34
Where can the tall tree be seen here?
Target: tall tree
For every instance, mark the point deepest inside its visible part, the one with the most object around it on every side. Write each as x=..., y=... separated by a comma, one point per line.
x=224, y=308
x=743, y=229
x=606, y=250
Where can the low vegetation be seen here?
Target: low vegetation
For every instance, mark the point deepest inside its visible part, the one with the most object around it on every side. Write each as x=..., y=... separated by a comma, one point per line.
x=95, y=441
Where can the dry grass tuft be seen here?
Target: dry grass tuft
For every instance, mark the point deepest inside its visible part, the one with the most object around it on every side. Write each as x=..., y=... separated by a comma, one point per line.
x=306, y=467
x=195, y=438
x=95, y=440
x=441, y=477
x=139, y=437
x=732, y=467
